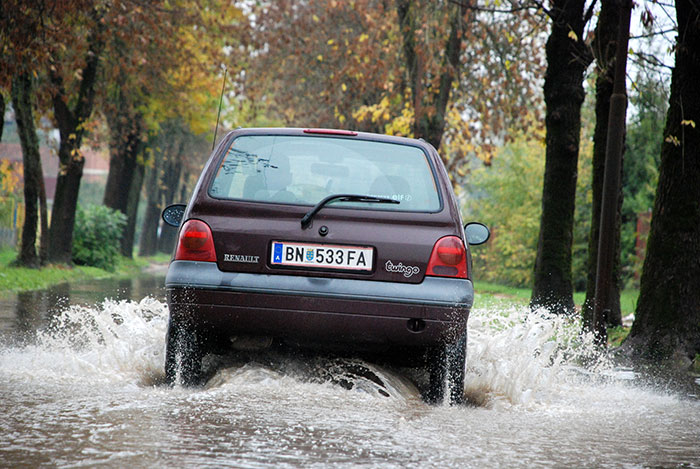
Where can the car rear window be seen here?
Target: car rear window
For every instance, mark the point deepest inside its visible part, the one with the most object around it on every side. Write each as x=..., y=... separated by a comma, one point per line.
x=305, y=169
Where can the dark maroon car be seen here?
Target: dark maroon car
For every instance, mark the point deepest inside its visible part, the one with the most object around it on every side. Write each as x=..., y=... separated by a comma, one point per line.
x=323, y=239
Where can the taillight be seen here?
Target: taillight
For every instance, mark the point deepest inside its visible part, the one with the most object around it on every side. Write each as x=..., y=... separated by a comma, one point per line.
x=449, y=258
x=195, y=243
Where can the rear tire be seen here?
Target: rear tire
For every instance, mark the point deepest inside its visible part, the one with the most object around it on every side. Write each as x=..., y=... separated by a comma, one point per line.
x=183, y=355
x=446, y=364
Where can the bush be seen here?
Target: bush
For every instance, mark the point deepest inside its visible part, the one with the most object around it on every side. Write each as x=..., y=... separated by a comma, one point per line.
x=506, y=196
x=96, y=236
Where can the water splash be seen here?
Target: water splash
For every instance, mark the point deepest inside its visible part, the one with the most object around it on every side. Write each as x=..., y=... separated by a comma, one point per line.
x=519, y=357
x=515, y=357
x=115, y=342
x=81, y=394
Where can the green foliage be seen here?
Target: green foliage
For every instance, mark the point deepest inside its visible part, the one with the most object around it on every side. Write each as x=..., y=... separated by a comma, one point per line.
x=616, y=335
x=96, y=236
x=582, y=213
x=506, y=196
x=649, y=98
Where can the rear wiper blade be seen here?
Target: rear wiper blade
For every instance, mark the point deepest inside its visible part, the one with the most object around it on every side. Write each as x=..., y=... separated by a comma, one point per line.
x=306, y=220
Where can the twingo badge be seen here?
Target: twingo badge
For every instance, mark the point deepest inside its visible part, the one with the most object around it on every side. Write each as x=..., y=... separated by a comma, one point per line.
x=407, y=270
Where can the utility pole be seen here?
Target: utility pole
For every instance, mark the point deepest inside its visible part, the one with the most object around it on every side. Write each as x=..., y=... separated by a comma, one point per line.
x=611, y=179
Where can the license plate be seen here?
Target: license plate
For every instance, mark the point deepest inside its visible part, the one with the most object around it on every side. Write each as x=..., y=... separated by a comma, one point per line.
x=324, y=256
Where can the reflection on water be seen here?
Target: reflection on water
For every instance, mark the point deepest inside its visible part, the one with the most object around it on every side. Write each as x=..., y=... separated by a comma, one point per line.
x=23, y=313
x=85, y=390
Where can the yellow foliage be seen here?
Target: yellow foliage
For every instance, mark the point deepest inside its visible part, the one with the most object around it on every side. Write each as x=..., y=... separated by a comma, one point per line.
x=10, y=174
x=672, y=139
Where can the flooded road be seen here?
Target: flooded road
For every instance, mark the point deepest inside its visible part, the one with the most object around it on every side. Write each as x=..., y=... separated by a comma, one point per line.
x=80, y=382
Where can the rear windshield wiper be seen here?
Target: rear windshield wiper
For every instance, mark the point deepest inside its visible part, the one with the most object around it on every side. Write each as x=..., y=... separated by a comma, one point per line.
x=306, y=220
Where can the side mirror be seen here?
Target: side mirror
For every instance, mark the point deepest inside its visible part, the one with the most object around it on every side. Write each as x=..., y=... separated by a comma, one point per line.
x=172, y=214
x=477, y=233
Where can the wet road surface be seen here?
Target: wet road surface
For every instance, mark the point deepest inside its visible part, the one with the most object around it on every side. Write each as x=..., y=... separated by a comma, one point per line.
x=81, y=385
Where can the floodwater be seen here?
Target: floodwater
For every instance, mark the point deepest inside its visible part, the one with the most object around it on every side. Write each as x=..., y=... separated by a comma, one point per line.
x=81, y=385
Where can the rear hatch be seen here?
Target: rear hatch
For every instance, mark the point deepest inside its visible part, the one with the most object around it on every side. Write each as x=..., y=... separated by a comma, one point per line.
x=261, y=188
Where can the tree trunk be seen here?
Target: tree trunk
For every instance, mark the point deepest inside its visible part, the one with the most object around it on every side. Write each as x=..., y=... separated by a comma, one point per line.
x=155, y=189
x=2, y=113
x=430, y=103
x=132, y=208
x=70, y=123
x=667, y=324
x=65, y=203
x=148, y=242
x=171, y=182
x=567, y=60
x=31, y=160
x=125, y=170
x=604, y=48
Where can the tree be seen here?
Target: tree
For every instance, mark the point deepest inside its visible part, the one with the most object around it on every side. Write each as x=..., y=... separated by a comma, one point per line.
x=73, y=77
x=567, y=59
x=327, y=63
x=506, y=197
x=163, y=150
x=182, y=46
x=2, y=112
x=432, y=63
x=34, y=192
x=314, y=63
x=174, y=150
x=29, y=34
x=604, y=48
x=649, y=96
x=667, y=324
x=126, y=131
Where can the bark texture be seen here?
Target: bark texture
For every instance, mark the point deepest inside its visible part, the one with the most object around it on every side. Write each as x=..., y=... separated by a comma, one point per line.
x=34, y=193
x=126, y=167
x=604, y=48
x=667, y=324
x=567, y=59
x=2, y=113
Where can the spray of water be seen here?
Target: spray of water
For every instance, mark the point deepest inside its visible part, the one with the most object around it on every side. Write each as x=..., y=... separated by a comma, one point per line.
x=115, y=342
x=518, y=357
x=515, y=357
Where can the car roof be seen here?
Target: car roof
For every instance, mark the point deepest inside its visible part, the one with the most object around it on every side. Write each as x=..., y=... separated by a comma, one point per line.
x=338, y=133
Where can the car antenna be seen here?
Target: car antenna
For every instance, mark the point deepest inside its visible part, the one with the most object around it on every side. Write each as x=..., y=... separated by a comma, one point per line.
x=221, y=98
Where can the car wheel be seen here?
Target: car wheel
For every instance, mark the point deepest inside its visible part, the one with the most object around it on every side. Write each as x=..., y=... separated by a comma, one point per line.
x=446, y=365
x=183, y=355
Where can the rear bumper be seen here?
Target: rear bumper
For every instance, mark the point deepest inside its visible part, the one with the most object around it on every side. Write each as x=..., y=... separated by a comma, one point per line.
x=319, y=310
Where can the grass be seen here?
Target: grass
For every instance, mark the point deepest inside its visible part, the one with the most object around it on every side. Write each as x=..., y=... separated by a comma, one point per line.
x=628, y=298
x=492, y=294
x=14, y=279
